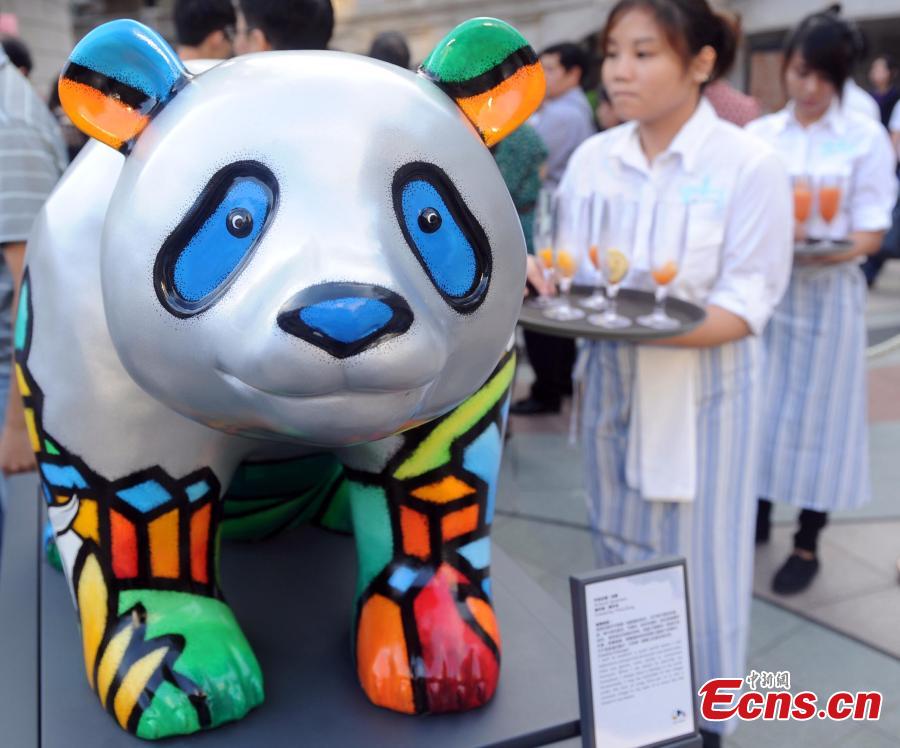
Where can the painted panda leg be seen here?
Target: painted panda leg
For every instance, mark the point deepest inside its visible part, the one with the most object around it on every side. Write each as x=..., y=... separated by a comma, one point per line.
x=162, y=651
x=426, y=636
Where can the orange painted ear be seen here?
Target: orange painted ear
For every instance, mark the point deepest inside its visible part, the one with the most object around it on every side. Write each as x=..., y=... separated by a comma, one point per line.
x=491, y=72
x=117, y=79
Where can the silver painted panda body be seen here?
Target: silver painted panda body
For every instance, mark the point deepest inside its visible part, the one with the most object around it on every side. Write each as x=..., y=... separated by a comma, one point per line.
x=299, y=253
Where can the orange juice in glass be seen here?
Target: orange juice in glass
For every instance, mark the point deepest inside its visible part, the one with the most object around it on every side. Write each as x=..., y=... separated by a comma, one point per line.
x=802, y=199
x=617, y=235
x=668, y=237
x=829, y=196
x=572, y=231
x=566, y=265
x=543, y=241
x=545, y=254
x=596, y=301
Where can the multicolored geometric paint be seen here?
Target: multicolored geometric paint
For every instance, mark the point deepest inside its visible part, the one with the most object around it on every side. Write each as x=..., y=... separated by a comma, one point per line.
x=426, y=637
x=143, y=553
x=491, y=72
x=162, y=651
x=112, y=97
x=142, y=558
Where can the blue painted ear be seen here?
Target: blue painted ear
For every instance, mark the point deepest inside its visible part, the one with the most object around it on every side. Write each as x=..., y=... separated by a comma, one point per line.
x=117, y=79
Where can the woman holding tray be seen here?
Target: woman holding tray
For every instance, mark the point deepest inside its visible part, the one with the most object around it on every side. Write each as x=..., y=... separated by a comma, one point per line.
x=671, y=430
x=815, y=445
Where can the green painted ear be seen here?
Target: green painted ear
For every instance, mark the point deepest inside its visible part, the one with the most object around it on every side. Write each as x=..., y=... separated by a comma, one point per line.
x=491, y=72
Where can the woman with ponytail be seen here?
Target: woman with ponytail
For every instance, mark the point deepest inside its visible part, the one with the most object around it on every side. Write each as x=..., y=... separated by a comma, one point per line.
x=815, y=437
x=671, y=430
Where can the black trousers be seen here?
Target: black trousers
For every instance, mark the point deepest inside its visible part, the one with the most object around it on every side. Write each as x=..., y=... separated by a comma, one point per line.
x=552, y=359
x=810, y=524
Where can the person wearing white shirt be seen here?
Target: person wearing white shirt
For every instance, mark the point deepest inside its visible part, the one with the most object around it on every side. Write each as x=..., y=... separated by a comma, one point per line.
x=894, y=127
x=815, y=439
x=856, y=99
x=890, y=245
x=670, y=430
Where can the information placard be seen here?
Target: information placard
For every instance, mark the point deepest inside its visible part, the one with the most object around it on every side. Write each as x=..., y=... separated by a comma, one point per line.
x=633, y=647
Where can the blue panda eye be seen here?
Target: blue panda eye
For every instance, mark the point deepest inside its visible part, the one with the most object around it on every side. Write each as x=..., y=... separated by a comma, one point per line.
x=445, y=237
x=214, y=241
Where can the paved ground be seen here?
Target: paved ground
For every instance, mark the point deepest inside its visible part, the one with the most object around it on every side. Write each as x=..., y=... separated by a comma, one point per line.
x=841, y=634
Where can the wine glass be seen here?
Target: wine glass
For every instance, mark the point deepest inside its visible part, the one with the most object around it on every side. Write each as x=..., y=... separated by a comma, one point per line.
x=803, y=196
x=571, y=228
x=668, y=236
x=616, y=240
x=597, y=300
x=829, y=198
x=543, y=242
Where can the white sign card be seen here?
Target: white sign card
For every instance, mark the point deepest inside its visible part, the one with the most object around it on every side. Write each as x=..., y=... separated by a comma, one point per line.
x=638, y=670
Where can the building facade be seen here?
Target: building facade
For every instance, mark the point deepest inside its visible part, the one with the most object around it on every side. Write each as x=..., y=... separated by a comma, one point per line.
x=50, y=27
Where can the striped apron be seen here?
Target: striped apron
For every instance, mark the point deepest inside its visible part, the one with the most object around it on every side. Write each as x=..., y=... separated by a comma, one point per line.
x=715, y=531
x=815, y=436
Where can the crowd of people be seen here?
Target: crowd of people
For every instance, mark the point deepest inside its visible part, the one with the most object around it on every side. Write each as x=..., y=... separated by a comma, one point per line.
x=689, y=441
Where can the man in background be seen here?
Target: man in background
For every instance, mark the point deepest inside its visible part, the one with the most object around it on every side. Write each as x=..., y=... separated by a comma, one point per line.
x=204, y=29
x=265, y=25
x=564, y=121
x=391, y=46
x=18, y=54
x=32, y=157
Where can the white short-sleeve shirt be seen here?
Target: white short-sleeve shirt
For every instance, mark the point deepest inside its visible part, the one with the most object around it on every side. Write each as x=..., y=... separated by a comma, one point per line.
x=844, y=144
x=739, y=235
x=854, y=98
x=894, y=121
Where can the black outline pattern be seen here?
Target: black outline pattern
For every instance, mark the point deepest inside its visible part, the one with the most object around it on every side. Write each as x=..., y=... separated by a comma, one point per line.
x=506, y=68
x=290, y=321
x=398, y=494
x=437, y=178
x=112, y=88
x=204, y=206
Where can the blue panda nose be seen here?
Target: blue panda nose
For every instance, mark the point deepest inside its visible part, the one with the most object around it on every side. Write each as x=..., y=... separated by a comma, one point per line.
x=345, y=319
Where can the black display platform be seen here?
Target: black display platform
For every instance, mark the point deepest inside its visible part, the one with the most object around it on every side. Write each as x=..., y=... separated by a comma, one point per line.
x=293, y=597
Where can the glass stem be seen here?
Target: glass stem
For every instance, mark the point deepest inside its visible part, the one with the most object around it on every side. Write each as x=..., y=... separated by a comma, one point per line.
x=612, y=291
x=660, y=309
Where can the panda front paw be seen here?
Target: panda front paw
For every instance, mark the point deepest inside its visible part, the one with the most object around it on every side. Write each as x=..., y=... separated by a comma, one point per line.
x=453, y=664
x=174, y=663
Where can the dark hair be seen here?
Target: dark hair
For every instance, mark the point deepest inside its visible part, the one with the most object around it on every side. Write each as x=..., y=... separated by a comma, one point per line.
x=889, y=60
x=570, y=56
x=291, y=24
x=17, y=53
x=602, y=95
x=858, y=36
x=827, y=45
x=197, y=19
x=390, y=46
x=689, y=25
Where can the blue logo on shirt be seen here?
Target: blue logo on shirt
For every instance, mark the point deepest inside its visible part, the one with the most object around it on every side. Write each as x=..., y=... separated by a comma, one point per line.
x=702, y=192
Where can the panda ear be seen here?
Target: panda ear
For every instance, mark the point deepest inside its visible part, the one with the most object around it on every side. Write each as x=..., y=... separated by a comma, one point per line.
x=117, y=79
x=491, y=72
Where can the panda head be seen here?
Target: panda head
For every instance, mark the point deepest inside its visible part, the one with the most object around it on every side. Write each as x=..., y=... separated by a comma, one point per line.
x=310, y=246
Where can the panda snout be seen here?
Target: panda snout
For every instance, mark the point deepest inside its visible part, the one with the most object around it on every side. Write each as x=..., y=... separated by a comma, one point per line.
x=345, y=319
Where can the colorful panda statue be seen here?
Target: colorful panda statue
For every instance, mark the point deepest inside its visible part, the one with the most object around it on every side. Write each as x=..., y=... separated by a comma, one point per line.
x=285, y=292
